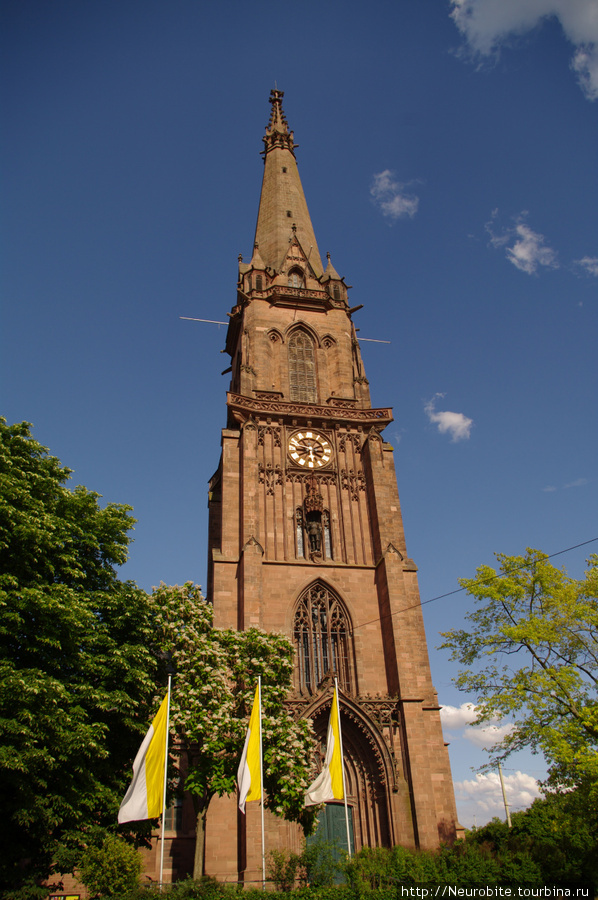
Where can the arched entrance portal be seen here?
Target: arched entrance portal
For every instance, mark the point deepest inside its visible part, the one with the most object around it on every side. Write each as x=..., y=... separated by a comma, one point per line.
x=371, y=779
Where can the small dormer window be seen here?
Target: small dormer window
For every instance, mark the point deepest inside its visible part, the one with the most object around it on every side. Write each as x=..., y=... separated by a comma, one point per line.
x=336, y=292
x=296, y=279
x=258, y=283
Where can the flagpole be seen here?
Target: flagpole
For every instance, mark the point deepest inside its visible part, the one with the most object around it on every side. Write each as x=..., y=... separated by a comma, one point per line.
x=340, y=737
x=259, y=687
x=164, y=785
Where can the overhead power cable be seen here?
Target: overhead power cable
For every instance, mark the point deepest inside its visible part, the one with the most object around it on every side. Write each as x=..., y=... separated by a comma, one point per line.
x=461, y=589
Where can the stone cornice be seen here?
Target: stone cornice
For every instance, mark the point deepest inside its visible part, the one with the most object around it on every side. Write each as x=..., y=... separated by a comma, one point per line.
x=247, y=406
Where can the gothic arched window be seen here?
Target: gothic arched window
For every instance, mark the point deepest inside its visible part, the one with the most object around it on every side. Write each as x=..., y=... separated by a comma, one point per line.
x=296, y=278
x=302, y=368
x=323, y=640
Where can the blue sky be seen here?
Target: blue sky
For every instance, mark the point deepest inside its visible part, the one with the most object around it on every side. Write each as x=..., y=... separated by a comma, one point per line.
x=448, y=155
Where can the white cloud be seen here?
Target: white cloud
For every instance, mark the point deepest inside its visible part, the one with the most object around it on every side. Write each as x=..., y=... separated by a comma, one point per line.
x=462, y=717
x=455, y=424
x=589, y=264
x=528, y=250
x=481, y=798
x=585, y=63
x=487, y=736
x=392, y=197
x=457, y=716
x=579, y=482
x=488, y=24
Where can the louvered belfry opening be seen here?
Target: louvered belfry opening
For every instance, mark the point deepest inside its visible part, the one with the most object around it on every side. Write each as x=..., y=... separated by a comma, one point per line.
x=322, y=639
x=302, y=368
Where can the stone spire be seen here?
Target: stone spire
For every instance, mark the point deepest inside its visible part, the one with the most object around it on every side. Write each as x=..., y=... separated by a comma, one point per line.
x=277, y=129
x=282, y=202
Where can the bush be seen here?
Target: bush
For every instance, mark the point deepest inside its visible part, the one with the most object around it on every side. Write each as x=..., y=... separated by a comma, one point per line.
x=320, y=865
x=324, y=864
x=467, y=863
x=370, y=869
x=110, y=870
x=284, y=868
x=205, y=889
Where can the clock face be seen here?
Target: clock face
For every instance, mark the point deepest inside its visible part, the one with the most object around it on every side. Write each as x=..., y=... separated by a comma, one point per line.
x=310, y=449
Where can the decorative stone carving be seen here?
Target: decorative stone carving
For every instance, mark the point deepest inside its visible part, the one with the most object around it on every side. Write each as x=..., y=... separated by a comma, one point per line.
x=314, y=502
x=383, y=709
x=380, y=718
x=263, y=430
x=374, y=437
x=270, y=476
x=303, y=477
x=341, y=403
x=253, y=543
x=346, y=437
x=354, y=482
x=392, y=549
x=310, y=410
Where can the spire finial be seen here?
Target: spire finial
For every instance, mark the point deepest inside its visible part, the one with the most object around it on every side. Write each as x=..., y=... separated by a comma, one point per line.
x=277, y=116
x=277, y=129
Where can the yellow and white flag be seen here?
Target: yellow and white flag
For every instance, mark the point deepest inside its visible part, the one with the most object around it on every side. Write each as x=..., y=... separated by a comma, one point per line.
x=145, y=796
x=329, y=783
x=249, y=774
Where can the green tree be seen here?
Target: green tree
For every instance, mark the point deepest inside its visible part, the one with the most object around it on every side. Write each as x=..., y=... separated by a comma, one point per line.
x=215, y=675
x=531, y=657
x=75, y=669
x=558, y=834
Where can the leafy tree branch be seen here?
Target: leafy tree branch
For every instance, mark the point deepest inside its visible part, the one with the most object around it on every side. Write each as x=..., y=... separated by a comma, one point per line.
x=537, y=615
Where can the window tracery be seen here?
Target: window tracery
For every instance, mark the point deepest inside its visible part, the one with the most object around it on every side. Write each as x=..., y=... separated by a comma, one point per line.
x=323, y=639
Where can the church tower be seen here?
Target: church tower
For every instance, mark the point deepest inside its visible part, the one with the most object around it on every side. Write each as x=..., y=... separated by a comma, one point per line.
x=306, y=537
